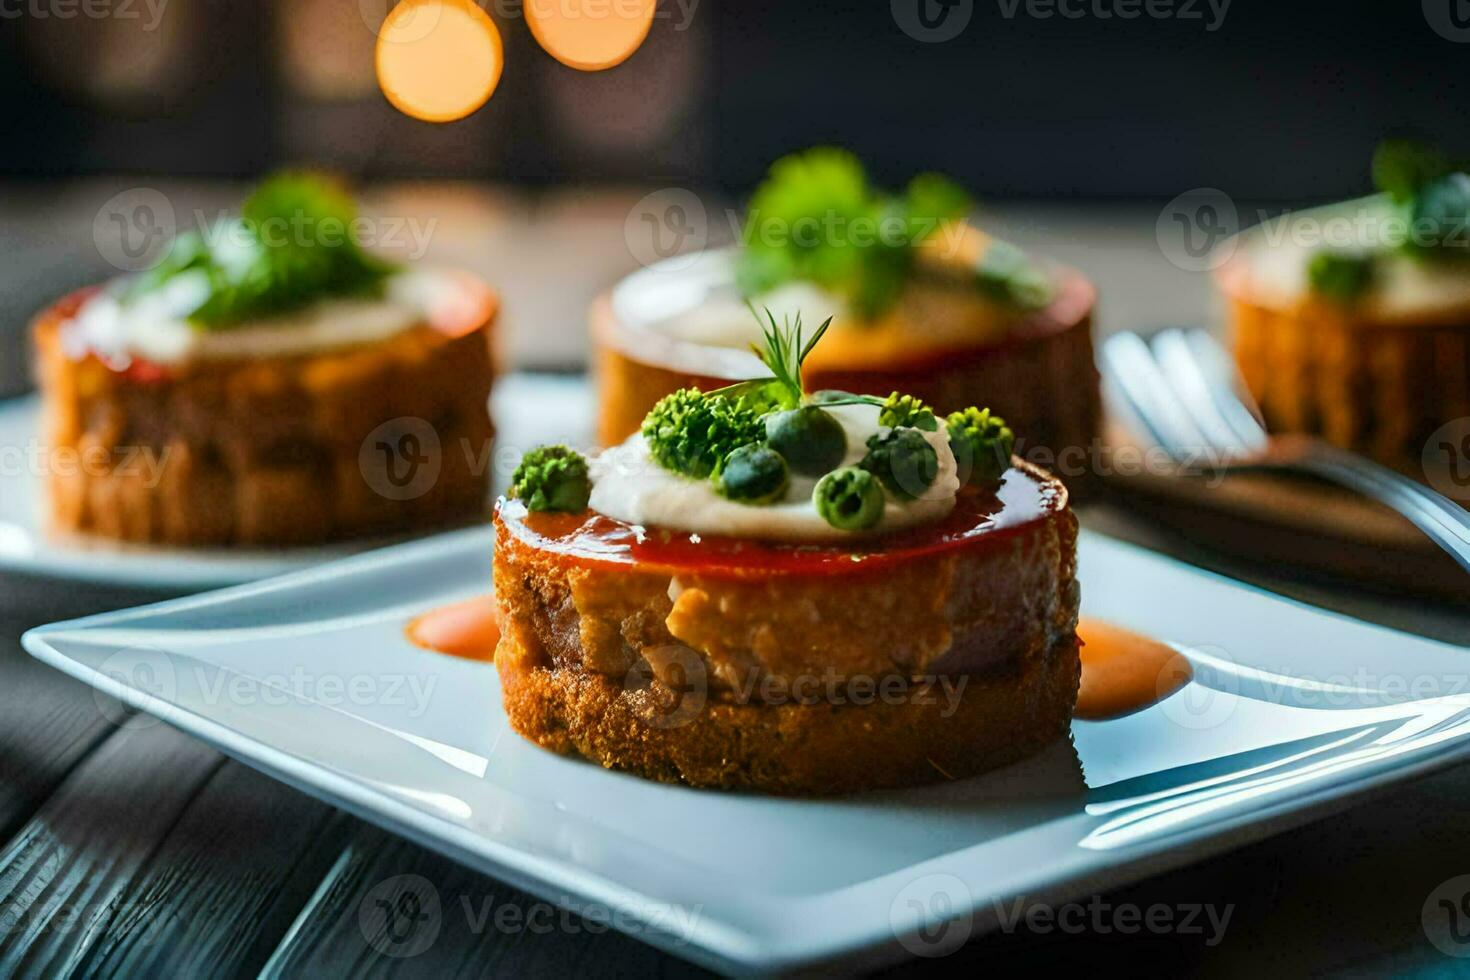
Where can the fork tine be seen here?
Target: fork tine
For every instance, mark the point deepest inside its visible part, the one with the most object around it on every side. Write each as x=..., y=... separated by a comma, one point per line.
x=1228, y=388
x=1130, y=366
x=1186, y=376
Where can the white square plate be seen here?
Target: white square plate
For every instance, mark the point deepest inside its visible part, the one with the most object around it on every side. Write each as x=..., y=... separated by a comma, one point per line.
x=308, y=677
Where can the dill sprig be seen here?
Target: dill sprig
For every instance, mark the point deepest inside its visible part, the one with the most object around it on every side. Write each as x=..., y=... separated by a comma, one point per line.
x=784, y=352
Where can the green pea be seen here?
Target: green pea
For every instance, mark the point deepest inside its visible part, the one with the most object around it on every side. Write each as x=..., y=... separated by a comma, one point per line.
x=849, y=499
x=904, y=461
x=754, y=474
x=811, y=439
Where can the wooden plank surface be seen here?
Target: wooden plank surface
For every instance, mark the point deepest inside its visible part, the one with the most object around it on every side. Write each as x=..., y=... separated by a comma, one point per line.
x=225, y=883
x=392, y=909
x=64, y=874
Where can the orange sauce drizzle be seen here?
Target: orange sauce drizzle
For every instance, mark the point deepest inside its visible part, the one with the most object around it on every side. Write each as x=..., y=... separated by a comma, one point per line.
x=468, y=629
x=1124, y=671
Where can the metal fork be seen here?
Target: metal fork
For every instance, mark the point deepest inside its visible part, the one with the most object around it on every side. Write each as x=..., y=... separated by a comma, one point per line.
x=1186, y=395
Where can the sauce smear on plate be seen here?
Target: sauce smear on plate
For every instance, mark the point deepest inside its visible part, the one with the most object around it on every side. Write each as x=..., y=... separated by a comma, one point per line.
x=1124, y=671
x=468, y=629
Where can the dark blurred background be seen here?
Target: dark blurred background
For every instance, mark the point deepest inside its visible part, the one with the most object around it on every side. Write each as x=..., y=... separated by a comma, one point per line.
x=1267, y=100
x=1071, y=120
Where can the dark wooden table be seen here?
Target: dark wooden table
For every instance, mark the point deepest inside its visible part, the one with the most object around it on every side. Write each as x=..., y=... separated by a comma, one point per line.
x=131, y=849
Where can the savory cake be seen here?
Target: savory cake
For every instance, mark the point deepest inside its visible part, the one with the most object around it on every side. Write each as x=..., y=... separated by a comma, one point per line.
x=789, y=592
x=920, y=300
x=268, y=387
x=1352, y=321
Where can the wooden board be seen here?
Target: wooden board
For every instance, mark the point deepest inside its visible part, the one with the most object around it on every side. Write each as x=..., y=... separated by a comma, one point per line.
x=1291, y=521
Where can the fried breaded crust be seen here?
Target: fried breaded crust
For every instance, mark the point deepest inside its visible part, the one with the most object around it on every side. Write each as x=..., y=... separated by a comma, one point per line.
x=924, y=735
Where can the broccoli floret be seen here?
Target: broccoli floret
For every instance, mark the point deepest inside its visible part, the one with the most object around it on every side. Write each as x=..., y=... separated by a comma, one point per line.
x=908, y=412
x=690, y=432
x=552, y=478
x=982, y=444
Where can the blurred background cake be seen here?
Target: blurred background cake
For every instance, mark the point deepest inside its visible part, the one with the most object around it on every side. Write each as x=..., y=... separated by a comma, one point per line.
x=921, y=301
x=268, y=382
x=1352, y=320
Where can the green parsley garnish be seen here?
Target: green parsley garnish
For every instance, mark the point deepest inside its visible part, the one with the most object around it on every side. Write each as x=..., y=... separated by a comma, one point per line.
x=1401, y=167
x=816, y=218
x=1442, y=208
x=982, y=444
x=552, y=478
x=292, y=245
x=1432, y=192
x=1342, y=277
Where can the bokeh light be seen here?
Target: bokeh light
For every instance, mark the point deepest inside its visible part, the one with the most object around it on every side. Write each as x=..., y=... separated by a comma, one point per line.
x=590, y=35
x=438, y=60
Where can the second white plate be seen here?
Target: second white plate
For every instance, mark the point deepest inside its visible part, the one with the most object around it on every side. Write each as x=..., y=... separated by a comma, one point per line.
x=528, y=409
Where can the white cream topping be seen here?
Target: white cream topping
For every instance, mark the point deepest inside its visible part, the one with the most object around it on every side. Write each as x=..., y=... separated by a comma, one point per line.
x=1279, y=251
x=153, y=326
x=629, y=486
